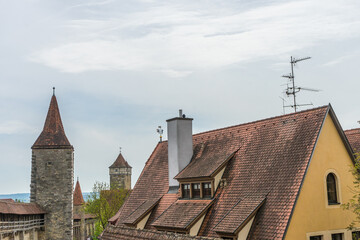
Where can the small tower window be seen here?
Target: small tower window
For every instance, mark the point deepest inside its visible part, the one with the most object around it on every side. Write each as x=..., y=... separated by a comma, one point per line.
x=331, y=189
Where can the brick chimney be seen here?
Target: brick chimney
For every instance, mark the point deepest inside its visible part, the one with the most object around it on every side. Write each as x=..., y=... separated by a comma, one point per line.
x=180, y=145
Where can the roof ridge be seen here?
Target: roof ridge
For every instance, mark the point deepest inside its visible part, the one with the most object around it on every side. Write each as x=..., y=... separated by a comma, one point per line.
x=261, y=120
x=352, y=129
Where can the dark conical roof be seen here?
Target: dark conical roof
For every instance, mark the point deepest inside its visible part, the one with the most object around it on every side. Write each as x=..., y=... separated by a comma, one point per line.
x=78, y=197
x=53, y=134
x=120, y=162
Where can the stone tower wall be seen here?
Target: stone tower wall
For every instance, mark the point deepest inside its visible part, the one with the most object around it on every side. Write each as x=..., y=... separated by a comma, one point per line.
x=51, y=187
x=120, y=178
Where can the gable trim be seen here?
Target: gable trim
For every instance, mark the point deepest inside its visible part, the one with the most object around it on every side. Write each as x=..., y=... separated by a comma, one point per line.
x=306, y=170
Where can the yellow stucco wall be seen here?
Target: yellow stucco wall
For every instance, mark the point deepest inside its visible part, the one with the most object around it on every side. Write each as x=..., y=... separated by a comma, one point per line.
x=143, y=221
x=312, y=213
x=195, y=229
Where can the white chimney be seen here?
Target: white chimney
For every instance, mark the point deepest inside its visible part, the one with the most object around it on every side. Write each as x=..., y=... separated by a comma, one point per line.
x=180, y=145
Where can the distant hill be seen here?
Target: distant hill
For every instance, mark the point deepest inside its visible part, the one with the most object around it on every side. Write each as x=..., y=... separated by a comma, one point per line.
x=25, y=197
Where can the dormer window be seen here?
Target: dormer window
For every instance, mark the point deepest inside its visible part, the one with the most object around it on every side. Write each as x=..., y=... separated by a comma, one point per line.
x=185, y=190
x=195, y=190
x=206, y=187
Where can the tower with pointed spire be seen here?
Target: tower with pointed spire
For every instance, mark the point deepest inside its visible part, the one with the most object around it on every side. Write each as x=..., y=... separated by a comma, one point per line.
x=120, y=174
x=52, y=174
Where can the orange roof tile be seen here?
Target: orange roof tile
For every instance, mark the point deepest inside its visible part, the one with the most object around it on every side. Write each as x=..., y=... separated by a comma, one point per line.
x=78, y=197
x=53, y=134
x=141, y=211
x=125, y=233
x=8, y=207
x=120, y=162
x=353, y=135
x=239, y=214
x=77, y=216
x=182, y=214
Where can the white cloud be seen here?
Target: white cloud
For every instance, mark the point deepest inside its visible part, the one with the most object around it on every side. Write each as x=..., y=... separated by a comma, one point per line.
x=184, y=39
x=14, y=127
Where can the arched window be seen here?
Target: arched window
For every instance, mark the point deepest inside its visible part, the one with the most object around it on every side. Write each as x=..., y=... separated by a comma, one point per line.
x=331, y=189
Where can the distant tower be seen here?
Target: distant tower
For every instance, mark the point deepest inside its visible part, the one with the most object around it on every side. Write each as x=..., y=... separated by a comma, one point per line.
x=78, y=211
x=52, y=175
x=120, y=174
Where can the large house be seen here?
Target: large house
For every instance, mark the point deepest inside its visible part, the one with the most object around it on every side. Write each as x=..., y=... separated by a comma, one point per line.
x=279, y=178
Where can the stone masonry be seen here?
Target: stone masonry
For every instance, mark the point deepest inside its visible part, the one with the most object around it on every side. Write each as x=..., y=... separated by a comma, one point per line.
x=51, y=187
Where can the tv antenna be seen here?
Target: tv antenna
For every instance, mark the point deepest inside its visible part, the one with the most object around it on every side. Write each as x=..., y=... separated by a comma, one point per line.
x=292, y=89
x=160, y=131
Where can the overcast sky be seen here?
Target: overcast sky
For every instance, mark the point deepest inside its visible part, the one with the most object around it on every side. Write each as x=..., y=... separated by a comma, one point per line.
x=121, y=68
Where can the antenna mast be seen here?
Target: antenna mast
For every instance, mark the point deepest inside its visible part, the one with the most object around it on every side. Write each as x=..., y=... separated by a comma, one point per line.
x=293, y=90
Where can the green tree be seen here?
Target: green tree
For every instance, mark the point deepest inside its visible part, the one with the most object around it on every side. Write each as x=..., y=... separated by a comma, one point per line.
x=354, y=203
x=104, y=203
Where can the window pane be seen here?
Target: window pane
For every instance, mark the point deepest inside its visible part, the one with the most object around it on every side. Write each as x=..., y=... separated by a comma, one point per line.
x=196, y=190
x=319, y=237
x=207, y=190
x=337, y=236
x=331, y=188
x=185, y=190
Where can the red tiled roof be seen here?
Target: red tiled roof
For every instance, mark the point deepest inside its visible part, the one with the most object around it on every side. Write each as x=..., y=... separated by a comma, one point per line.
x=353, y=135
x=53, y=134
x=120, y=162
x=272, y=160
x=77, y=216
x=239, y=214
x=124, y=233
x=78, y=197
x=166, y=201
x=8, y=207
x=141, y=211
x=8, y=200
x=182, y=214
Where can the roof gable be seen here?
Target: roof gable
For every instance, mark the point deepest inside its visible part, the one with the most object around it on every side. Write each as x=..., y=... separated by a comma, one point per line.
x=240, y=214
x=182, y=214
x=141, y=211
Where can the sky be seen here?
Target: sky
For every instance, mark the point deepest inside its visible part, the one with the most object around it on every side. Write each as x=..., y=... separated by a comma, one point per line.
x=121, y=68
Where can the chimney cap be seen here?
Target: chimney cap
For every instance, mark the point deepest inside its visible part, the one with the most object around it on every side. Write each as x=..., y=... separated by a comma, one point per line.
x=180, y=117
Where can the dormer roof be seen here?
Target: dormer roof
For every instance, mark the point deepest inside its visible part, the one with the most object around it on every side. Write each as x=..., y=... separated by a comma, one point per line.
x=53, y=134
x=120, y=162
x=78, y=197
